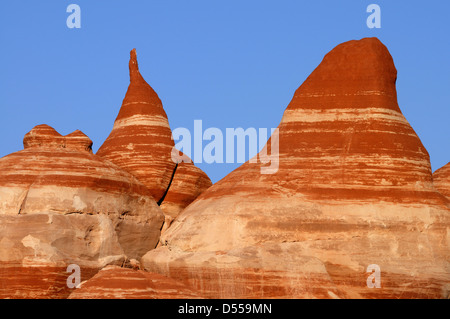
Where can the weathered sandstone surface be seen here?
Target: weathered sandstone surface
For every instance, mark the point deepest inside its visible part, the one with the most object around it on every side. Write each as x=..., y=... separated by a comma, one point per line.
x=59, y=205
x=113, y=282
x=354, y=187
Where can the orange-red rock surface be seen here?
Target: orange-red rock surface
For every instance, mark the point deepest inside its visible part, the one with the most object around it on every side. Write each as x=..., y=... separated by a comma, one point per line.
x=441, y=180
x=141, y=143
x=353, y=188
x=60, y=204
x=114, y=282
x=141, y=140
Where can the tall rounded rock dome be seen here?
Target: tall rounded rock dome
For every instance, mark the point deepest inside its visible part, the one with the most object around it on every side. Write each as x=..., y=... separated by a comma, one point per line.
x=353, y=188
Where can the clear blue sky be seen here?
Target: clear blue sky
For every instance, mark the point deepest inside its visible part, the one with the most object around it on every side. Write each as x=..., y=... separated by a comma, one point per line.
x=229, y=63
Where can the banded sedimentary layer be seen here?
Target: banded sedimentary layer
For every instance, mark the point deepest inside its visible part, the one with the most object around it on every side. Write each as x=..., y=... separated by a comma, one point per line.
x=59, y=205
x=113, y=282
x=441, y=180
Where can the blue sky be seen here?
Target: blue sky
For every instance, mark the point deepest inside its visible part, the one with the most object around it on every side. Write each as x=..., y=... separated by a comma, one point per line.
x=229, y=63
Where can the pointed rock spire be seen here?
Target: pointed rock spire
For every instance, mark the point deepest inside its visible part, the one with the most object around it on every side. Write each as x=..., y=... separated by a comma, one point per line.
x=135, y=75
x=141, y=139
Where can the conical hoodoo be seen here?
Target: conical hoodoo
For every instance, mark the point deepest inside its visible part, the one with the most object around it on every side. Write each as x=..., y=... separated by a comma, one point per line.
x=141, y=143
x=141, y=140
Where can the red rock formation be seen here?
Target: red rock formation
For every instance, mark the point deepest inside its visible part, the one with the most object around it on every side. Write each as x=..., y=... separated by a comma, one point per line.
x=441, y=180
x=353, y=188
x=141, y=143
x=141, y=139
x=60, y=204
x=114, y=282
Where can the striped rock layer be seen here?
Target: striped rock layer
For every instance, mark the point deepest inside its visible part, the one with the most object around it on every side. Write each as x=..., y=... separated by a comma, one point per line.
x=353, y=188
x=141, y=143
x=141, y=140
x=60, y=204
x=441, y=180
x=113, y=282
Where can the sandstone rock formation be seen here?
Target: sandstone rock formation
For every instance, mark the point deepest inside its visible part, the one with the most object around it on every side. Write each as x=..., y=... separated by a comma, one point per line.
x=353, y=188
x=441, y=180
x=141, y=143
x=59, y=205
x=113, y=282
x=141, y=140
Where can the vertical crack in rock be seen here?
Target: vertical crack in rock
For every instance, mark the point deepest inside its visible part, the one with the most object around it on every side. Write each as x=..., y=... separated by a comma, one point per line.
x=23, y=202
x=168, y=186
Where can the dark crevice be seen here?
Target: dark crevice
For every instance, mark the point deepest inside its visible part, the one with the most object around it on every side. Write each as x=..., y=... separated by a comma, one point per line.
x=24, y=201
x=168, y=187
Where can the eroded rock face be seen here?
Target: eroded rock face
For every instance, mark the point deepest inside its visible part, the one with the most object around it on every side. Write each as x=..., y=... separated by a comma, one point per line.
x=59, y=205
x=353, y=188
x=141, y=140
x=35, y=250
x=441, y=180
x=114, y=282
